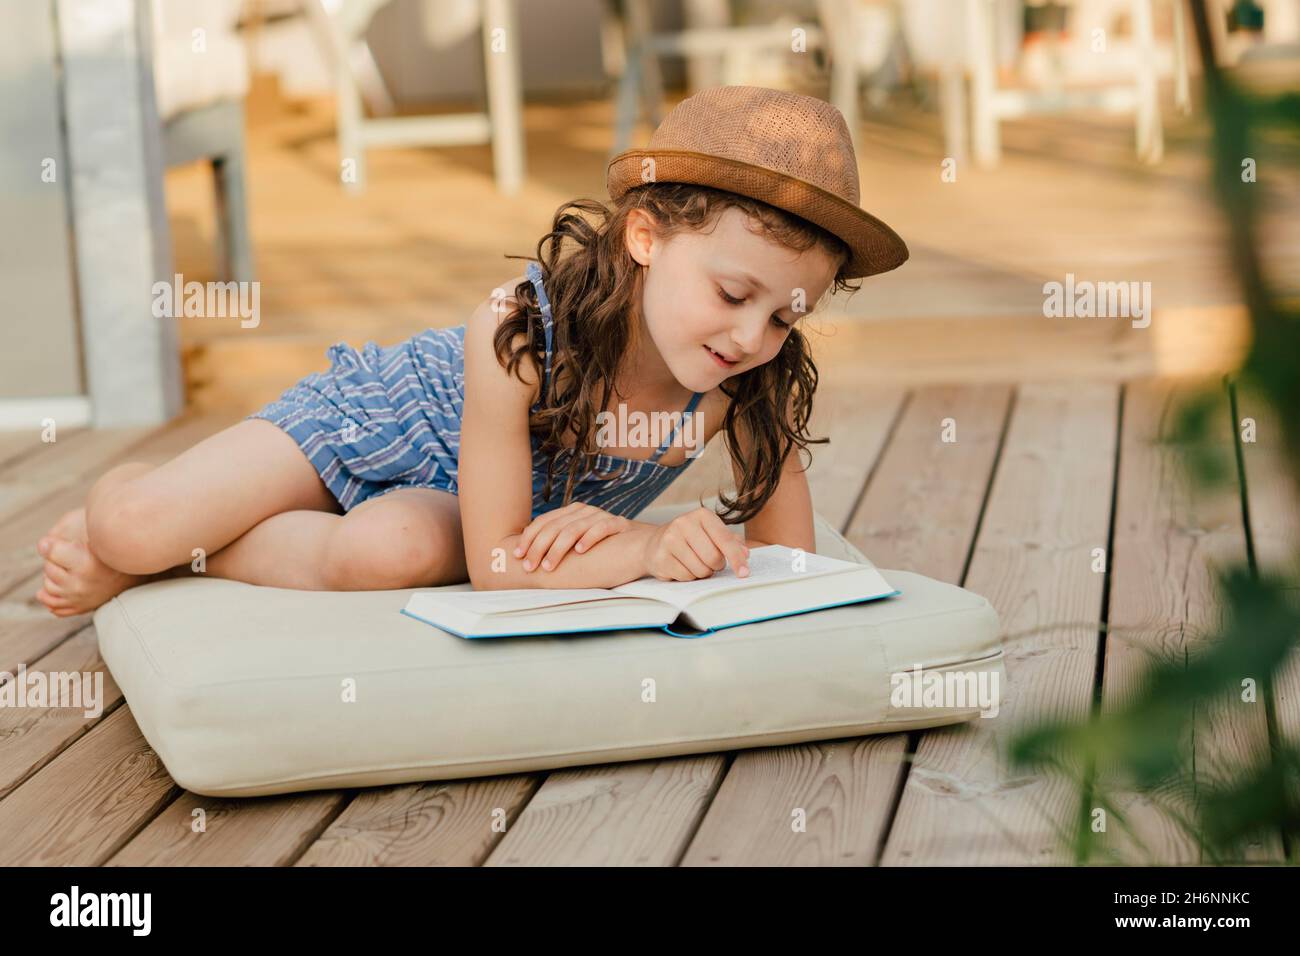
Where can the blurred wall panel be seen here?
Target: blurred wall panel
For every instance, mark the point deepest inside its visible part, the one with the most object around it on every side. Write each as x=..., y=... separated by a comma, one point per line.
x=40, y=356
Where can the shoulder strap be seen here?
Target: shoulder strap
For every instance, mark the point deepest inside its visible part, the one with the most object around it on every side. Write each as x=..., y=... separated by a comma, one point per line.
x=534, y=272
x=690, y=407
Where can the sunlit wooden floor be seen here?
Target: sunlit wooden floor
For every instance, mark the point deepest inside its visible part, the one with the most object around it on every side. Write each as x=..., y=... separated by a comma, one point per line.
x=1041, y=474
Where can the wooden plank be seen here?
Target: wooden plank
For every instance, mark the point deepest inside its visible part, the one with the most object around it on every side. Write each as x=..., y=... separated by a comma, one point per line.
x=16, y=445
x=34, y=736
x=1170, y=537
x=628, y=814
x=920, y=512
x=1024, y=347
x=82, y=806
x=19, y=534
x=1274, y=496
x=27, y=629
x=922, y=505
x=195, y=830
x=1049, y=507
x=441, y=823
x=56, y=465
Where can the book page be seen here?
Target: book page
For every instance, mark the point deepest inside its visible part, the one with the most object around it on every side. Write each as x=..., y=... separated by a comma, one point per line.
x=514, y=600
x=767, y=565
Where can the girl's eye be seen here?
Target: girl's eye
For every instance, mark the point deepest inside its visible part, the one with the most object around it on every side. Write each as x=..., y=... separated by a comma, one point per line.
x=731, y=300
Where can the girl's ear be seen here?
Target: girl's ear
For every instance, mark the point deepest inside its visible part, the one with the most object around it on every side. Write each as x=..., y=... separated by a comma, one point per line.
x=639, y=235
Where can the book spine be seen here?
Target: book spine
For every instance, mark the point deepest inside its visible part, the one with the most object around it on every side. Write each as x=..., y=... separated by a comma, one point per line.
x=667, y=629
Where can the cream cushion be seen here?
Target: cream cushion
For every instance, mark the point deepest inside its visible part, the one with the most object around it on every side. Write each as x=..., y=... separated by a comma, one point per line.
x=244, y=690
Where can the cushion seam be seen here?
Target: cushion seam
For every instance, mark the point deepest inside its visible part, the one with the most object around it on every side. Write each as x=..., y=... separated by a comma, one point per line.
x=407, y=670
x=561, y=753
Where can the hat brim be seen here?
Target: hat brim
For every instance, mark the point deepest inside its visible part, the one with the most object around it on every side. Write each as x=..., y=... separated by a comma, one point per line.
x=874, y=247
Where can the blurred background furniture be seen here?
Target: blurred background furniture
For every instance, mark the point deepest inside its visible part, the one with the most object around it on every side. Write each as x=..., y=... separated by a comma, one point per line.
x=736, y=52
x=1050, y=62
x=341, y=25
x=200, y=81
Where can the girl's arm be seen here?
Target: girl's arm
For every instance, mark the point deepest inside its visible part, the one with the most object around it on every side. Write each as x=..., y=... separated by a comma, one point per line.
x=495, y=477
x=787, y=518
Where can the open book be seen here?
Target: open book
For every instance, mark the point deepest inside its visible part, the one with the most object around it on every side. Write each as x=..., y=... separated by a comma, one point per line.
x=776, y=586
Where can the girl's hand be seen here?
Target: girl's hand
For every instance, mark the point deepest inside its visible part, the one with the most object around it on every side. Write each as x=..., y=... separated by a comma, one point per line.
x=548, y=538
x=694, y=545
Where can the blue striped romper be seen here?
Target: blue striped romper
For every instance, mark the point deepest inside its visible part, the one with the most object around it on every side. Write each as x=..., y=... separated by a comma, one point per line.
x=389, y=417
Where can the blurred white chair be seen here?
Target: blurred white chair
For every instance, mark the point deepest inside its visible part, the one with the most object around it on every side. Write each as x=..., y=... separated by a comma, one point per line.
x=200, y=81
x=341, y=25
x=972, y=48
x=640, y=87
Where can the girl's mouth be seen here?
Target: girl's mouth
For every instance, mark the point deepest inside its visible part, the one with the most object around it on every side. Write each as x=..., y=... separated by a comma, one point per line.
x=719, y=359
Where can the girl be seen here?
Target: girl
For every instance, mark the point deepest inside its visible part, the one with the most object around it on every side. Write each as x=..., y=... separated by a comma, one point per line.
x=471, y=452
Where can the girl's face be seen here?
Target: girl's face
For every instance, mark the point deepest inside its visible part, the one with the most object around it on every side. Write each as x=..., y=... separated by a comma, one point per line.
x=721, y=302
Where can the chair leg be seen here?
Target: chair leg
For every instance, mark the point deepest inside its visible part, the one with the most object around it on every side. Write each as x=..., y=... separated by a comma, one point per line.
x=232, y=217
x=837, y=22
x=985, y=138
x=952, y=107
x=626, y=108
x=505, y=111
x=1150, y=135
x=352, y=149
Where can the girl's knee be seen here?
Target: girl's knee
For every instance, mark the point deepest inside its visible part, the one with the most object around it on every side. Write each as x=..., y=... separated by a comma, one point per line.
x=123, y=528
x=385, y=549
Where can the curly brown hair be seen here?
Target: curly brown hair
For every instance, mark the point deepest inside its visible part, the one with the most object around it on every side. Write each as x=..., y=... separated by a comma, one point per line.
x=593, y=289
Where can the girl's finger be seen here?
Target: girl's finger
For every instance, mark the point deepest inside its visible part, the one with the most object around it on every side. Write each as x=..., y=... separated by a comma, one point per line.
x=728, y=542
x=530, y=531
x=702, y=544
x=529, y=535
x=544, y=539
x=670, y=569
x=598, y=532
x=564, y=541
x=681, y=549
x=546, y=533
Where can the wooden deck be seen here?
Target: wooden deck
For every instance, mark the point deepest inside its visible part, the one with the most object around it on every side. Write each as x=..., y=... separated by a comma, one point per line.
x=1040, y=475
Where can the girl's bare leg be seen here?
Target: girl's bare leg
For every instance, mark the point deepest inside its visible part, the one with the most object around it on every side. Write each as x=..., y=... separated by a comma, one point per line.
x=409, y=537
x=141, y=521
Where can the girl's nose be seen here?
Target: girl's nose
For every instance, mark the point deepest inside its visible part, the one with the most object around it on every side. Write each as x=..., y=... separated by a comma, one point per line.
x=749, y=337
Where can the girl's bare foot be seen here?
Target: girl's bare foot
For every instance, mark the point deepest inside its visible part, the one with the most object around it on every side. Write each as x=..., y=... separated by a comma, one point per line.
x=75, y=580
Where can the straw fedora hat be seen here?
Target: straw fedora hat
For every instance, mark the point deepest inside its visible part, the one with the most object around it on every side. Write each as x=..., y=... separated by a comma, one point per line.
x=785, y=149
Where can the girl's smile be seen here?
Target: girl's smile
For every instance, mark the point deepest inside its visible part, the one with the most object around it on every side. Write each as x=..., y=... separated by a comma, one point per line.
x=720, y=360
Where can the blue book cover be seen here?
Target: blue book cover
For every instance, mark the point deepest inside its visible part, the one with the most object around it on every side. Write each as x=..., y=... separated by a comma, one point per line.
x=782, y=582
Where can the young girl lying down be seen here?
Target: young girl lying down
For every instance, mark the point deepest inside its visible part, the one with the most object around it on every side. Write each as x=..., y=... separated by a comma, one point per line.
x=472, y=452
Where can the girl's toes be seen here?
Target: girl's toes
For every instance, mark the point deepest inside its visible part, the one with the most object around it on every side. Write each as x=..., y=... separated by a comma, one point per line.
x=57, y=573
x=50, y=601
x=52, y=589
x=68, y=554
